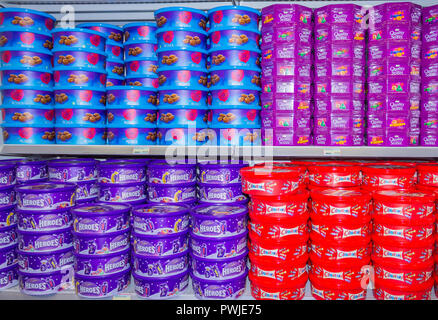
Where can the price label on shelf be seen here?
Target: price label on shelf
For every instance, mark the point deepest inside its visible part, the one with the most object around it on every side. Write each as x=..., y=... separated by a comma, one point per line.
x=141, y=150
x=332, y=152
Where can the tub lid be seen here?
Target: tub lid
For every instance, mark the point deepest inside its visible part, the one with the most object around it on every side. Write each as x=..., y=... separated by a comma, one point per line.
x=14, y=106
x=124, y=126
x=222, y=164
x=213, y=281
x=120, y=61
x=32, y=50
x=59, y=88
x=398, y=196
x=219, y=210
x=138, y=163
x=128, y=43
x=40, y=13
x=98, y=24
x=180, y=29
x=213, y=260
x=220, y=239
x=227, y=107
x=165, y=68
x=152, y=237
x=19, y=125
x=300, y=195
x=218, y=88
x=389, y=163
x=179, y=185
x=16, y=87
x=240, y=28
x=151, y=280
x=139, y=24
x=219, y=68
x=232, y=48
x=274, y=172
x=128, y=88
x=160, y=209
x=166, y=9
x=79, y=69
x=427, y=189
x=91, y=125
x=103, y=53
x=102, y=208
x=160, y=164
x=40, y=187
x=115, y=77
x=110, y=42
x=429, y=167
x=155, y=59
x=388, y=169
x=141, y=76
x=181, y=49
x=244, y=8
x=22, y=30
x=78, y=30
x=340, y=195
x=337, y=168
x=26, y=68
x=119, y=185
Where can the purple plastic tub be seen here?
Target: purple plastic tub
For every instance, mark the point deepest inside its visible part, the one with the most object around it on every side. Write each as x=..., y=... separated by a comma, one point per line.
x=26, y=38
x=39, y=284
x=219, y=220
x=241, y=39
x=26, y=18
x=79, y=96
x=80, y=116
x=126, y=192
x=159, y=245
x=122, y=172
x=104, y=265
x=100, y=218
x=26, y=77
x=26, y=96
x=8, y=256
x=112, y=32
x=182, y=192
x=124, y=135
x=221, y=172
x=102, y=287
x=132, y=96
x=8, y=277
x=140, y=31
x=136, y=67
x=218, y=248
x=81, y=135
x=160, y=267
x=73, y=170
x=180, y=118
x=115, y=68
x=45, y=262
x=78, y=77
x=44, y=221
x=101, y=244
x=219, y=269
x=65, y=39
x=8, y=236
x=12, y=57
x=46, y=196
x=160, y=219
x=230, y=96
x=181, y=17
x=150, y=82
x=179, y=77
x=47, y=241
x=8, y=216
x=78, y=58
x=161, y=288
x=175, y=98
x=7, y=195
x=114, y=50
x=162, y=172
x=183, y=58
x=231, y=288
x=214, y=193
x=181, y=38
x=28, y=116
x=285, y=15
x=140, y=50
x=87, y=190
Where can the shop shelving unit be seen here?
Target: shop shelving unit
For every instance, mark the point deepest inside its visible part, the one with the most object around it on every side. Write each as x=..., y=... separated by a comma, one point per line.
x=120, y=12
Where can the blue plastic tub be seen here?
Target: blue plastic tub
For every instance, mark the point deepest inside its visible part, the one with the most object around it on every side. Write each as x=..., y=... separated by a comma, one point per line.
x=11, y=57
x=140, y=31
x=26, y=18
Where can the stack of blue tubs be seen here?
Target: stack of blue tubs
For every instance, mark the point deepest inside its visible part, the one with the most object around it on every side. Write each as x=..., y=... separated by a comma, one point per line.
x=26, y=76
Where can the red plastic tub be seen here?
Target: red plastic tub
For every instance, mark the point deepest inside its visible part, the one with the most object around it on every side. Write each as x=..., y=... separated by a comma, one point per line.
x=278, y=274
x=272, y=181
x=286, y=208
x=390, y=163
x=271, y=292
x=403, y=206
x=276, y=229
x=403, y=278
x=335, y=175
x=338, y=277
x=427, y=189
x=321, y=293
x=277, y=251
x=343, y=256
x=388, y=294
x=388, y=177
x=340, y=205
x=357, y=234
x=428, y=175
x=403, y=234
x=399, y=256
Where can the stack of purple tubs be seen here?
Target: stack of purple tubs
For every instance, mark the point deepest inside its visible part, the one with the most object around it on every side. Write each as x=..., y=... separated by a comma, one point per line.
x=160, y=260
x=81, y=171
x=339, y=75
x=394, y=75
x=8, y=226
x=287, y=57
x=123, y=181
x=429, y=76
x=101, y=249
x=45, y=243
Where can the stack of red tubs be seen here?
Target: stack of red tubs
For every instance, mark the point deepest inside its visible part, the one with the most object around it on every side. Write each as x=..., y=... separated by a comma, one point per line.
x=340, y=232
x=278, y=232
